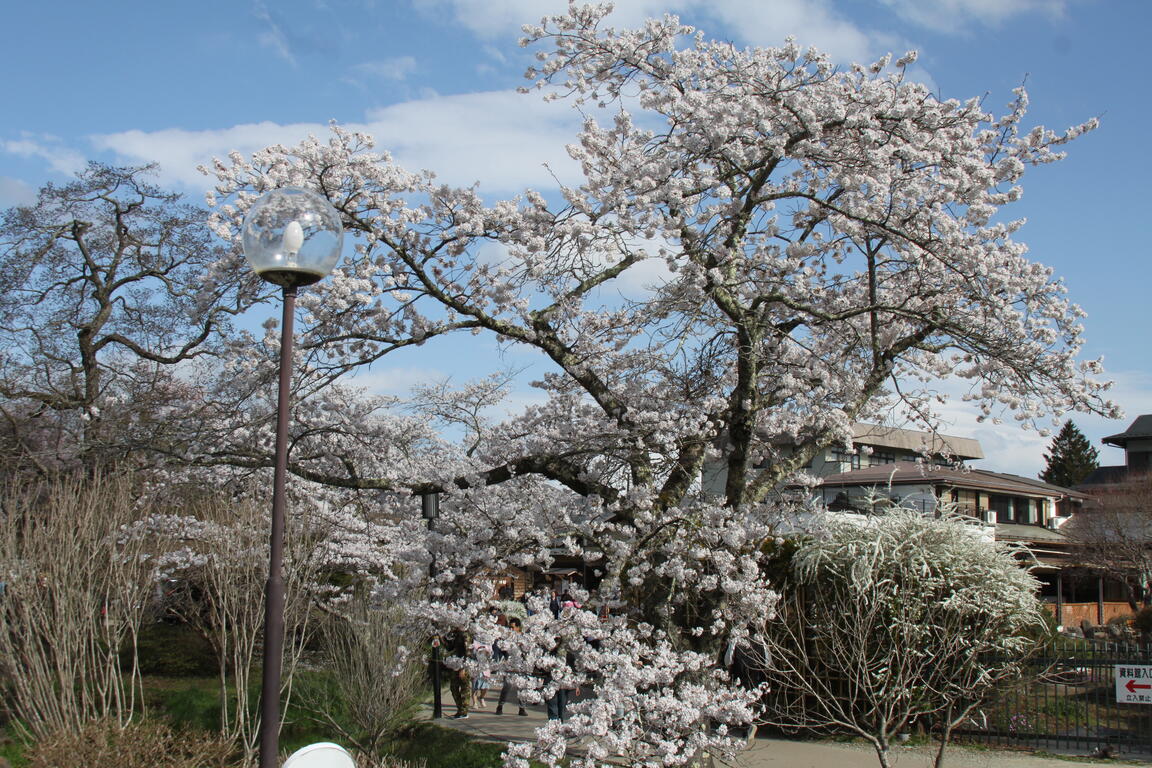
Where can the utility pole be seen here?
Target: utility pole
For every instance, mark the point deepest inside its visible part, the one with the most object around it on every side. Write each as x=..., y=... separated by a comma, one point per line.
x=430, y=506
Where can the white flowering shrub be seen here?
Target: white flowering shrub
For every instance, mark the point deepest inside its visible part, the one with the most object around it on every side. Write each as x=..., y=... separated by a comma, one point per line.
x=893, y=620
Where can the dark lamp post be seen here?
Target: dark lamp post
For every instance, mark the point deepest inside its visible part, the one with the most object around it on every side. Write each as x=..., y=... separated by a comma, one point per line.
x=291, y=237
x=430, y=508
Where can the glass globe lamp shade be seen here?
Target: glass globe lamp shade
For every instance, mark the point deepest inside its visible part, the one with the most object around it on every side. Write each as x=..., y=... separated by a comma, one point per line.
x=292, y=237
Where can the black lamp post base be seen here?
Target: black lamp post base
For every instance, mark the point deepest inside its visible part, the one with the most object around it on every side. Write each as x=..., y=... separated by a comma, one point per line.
x=290, y=278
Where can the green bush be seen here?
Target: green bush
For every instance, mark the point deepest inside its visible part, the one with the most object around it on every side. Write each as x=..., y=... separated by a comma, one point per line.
x=141, y=744
x=12, y=747
x=1066, y=708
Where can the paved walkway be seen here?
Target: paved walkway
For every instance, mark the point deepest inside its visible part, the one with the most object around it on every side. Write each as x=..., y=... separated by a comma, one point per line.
x=774, y=753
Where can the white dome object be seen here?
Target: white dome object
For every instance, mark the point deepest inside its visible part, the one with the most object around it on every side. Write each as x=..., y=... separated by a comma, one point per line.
x=325, y=754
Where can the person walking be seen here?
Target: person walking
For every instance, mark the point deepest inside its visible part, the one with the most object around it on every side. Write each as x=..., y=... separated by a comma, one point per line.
x=460, y=683
x=557, y=704
x=499, y=654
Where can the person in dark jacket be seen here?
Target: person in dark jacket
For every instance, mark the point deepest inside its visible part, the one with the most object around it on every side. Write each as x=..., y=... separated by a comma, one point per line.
x=460, y=682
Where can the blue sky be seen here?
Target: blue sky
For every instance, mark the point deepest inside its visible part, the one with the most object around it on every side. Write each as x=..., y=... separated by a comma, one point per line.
x=130, y=81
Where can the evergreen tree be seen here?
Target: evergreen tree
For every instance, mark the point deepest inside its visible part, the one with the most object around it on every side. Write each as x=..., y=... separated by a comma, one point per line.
x=1070, y=458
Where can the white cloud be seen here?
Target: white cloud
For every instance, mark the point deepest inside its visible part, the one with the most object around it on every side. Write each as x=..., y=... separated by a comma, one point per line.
x=1132, y=391
x=811, y=22
x=500, y=138
x=396, y=380
x=60, y=158
x=1010, y=448
x=638, y=281
x=273, y=36
x=519, y=401
x=493, y=18
x=504, y=140
x=396, y=68
x=817, y=23
x=15, y=192
x=178, y=152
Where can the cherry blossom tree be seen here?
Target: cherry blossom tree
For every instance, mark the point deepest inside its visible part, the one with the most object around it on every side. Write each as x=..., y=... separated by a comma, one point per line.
x=828, y=243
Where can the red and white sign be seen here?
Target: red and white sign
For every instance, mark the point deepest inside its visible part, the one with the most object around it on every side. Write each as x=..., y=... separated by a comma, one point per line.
x=1133, y=684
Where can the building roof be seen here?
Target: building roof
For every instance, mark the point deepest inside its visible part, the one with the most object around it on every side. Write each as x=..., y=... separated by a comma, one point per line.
x=1021, y=532
x=1104, y=476
x=910, y=472
x=920, y=442
x=1141, y=429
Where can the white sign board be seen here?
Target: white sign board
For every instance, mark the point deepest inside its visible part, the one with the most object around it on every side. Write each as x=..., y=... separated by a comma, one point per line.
x=1133, y=684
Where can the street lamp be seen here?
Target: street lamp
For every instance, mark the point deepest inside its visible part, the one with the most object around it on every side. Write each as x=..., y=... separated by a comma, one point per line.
x=291, y=237
x=430, y=507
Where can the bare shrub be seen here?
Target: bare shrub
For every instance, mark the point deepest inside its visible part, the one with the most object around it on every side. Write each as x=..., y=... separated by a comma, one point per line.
x=386, y=761
x=1110, y=536
x=142, y=744
x=215, y=572
x=371, y=676
x=74, y=594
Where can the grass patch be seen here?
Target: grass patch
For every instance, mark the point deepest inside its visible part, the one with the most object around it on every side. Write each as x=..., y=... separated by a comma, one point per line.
x=193, y=703
x=172, y=650
x=12, y=748
x=441, y=747
x=186, y=702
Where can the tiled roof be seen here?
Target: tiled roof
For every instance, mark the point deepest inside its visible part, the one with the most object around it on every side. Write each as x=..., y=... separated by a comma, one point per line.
x=911, y=440
x=910, y=472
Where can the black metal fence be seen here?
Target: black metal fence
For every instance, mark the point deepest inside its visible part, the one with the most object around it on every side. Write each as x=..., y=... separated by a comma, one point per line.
x=1068, y=702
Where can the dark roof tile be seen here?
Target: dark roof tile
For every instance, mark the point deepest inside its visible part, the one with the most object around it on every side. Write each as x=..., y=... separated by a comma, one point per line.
x=1139, y=429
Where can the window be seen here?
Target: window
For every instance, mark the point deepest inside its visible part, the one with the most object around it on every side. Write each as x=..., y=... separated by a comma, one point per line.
x=1002, y=506
x=844, y=457
x=1013, y=509
x=881, y=457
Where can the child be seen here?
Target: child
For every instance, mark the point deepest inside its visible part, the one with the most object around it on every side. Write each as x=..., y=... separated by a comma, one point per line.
x=482, y=680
